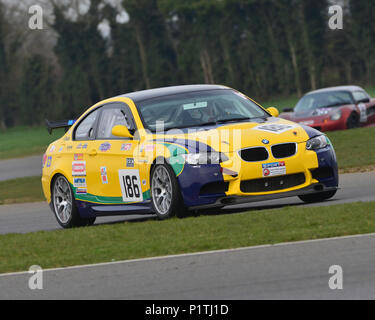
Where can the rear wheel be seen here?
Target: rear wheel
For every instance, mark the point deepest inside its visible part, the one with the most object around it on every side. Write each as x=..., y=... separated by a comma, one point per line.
x=353, y=121
x=317, y=197
x=64, y=207
x=165, y=193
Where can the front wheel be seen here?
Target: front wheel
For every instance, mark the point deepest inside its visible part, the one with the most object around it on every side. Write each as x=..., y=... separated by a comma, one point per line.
x=64, y=207
x=165, y=193
x=317, y=197
x=353, y=121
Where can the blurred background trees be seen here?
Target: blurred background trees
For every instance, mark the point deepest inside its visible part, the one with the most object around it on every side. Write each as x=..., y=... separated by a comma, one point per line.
x=93, y=49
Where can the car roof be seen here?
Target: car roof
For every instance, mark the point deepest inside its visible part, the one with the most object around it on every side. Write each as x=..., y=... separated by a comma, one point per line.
x=139, y=96
x=339, y=88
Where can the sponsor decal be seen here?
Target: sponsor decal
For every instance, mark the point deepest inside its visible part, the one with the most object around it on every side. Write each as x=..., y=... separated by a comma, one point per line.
x=66, y=138
x=274, y=169
x=126, y=146
x=79, y=168
x=265, y=141
x=69, y=147
x=78, y=156
x=363, y=112
x=144, y=182
x=81, y=191
x=82, y=146
x=79, y=182
x=49, y=161
x=105, y=146
x=307, y=122
x=52, y=149
x=61, y=149
x=274, y=128
x=44, y=160
x=130, y=162
x=103, y=174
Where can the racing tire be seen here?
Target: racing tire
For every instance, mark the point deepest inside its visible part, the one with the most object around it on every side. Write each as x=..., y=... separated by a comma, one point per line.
x=317, y=197
x=166, y=196
x=353, y=121
x=64, y=205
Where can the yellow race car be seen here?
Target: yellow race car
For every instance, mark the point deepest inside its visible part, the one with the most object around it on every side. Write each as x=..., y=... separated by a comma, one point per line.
x=169, y=150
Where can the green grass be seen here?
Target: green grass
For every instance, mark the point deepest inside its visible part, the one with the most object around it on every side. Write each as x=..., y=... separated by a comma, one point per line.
x=105, y=243
x=354, y=148
x=21, y=190
x=23, y=141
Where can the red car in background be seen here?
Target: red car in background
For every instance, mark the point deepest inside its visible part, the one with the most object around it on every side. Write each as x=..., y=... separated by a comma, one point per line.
x=335, y=108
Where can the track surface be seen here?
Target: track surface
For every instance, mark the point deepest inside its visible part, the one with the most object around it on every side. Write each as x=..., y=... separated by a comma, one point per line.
x=289, y=271
x=37, y=216
x=20, y=168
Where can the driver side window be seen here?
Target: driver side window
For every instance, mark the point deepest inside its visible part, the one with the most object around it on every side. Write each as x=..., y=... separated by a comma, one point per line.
x=112, y=116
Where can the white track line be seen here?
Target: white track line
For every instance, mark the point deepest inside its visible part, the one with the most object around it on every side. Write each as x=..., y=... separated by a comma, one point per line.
x=193, y=254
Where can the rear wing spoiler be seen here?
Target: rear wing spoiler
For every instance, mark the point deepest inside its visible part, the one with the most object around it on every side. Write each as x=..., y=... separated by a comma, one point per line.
x=51, y=125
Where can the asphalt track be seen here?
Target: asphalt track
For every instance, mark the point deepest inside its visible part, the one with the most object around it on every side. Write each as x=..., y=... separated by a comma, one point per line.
x=22, y=218
x=286, y=271
x=20, y=168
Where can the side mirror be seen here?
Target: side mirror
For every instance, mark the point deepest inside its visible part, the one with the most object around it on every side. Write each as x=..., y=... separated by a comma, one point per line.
x=121, y=131
x=364, y=100
x=288, y=110
x=273, y=111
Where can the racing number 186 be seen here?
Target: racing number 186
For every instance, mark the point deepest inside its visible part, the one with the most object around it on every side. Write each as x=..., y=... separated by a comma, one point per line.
x=130, y=185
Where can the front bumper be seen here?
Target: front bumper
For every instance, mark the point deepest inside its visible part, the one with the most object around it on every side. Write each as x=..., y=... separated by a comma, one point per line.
x=324, y=124
x=217, y=185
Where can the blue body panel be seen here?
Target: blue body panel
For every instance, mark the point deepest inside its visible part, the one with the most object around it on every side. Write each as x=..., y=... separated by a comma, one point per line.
x=327, y=158
x=88, y=209
x=193, y=178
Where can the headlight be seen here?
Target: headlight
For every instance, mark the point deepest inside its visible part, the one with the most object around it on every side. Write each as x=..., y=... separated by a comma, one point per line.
x=318, y=142
x=336, y=115
x=205, y=158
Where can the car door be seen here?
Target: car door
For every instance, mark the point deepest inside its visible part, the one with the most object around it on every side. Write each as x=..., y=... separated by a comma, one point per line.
x=114, y=171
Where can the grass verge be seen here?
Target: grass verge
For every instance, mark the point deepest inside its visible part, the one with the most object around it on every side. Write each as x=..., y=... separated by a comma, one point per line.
x=21, y=190
x=23, y=141
x=105, y=243
x=355, y=148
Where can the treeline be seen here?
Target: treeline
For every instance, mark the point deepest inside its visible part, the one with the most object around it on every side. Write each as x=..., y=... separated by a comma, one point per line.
x=265, y=48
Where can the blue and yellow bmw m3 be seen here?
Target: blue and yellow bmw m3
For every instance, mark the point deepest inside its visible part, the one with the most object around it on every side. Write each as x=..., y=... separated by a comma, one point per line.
x=170, y=150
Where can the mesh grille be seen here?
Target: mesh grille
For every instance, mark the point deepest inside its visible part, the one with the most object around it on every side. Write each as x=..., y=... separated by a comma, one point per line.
x=272, y=183
x=254, y=154
x=284, y=150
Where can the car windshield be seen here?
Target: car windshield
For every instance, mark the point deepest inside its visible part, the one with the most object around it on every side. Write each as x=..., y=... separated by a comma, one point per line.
x=323, y=100
x=198, y=109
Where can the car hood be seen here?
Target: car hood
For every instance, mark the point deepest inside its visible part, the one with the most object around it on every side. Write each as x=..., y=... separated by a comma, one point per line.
x=232, y=137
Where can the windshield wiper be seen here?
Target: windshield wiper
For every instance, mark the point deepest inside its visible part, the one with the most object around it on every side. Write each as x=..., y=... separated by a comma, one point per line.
x=232, y=119
x=211, y=123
